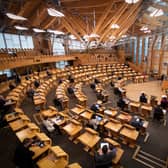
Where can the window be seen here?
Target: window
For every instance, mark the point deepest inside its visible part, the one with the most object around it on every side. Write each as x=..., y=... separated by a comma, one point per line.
x=12, y=41
x=146, y=46
x=58, y=46
x=140, y=50
x=61, y=64
x=26, y=41
x=76, y=45
x=2, y=43
x=7, y=72
x=157, y=44
x=135, y=49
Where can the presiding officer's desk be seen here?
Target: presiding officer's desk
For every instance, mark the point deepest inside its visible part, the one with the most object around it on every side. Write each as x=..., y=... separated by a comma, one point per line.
x=89, y=138
x=56, y=158
x=129, y=135
x=114, y=127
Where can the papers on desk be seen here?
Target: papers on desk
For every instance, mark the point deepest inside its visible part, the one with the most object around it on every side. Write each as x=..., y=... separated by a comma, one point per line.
x=107, y=112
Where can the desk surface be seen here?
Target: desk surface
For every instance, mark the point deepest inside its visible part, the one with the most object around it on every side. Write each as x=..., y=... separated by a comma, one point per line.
x=18, y=124
x=38, y=150
x=111, y=113
x=124, y=117
x=129, y=133
x=86, y=115
x=72, y=129
x=115, y=127
x=26, y=133
x=135, y=104
x=77, y=110
x=89, y=139
x=119, y=154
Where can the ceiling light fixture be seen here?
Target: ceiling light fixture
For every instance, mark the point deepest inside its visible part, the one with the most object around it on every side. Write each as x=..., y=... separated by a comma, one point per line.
x=115, y=26
x=55, y=32
x=38, y=30
x=53, y=12
x=131, y=1
x=144, y=28
x=20, y=28
x=15, y=17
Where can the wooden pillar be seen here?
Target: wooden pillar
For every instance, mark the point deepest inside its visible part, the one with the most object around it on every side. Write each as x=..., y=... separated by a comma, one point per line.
x=161, y=53
x=143, y=53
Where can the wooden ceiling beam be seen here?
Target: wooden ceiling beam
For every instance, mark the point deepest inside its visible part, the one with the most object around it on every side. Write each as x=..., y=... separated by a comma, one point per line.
x=114, y=19
x=70, y=29
x=103, y=17
x=124, y=23
x=76, y=22
x=38, y=16
x=26, y=9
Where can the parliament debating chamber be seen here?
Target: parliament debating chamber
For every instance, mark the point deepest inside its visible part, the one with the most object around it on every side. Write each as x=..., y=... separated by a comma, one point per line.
x=84, y=83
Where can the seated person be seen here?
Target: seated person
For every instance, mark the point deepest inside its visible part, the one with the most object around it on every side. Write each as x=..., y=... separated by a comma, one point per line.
x=36, y=83
x=92, y=86
x=49, y=125
x=11, y=86
x=104, y=156
x=95, y=107
x=31, y=92
x=164, y=102
x=23, y=156
x=96, y=81
x=137, y=122
x=94, y=122
x=70, y=90
x=143, y=98
x=121, y=103
x=158, y=113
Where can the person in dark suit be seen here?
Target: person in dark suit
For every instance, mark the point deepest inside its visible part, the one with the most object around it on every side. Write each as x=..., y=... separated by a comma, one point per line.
x=143, y=98
x=158, y=113
x=164, y=102
x=104, y=156
x=23, y=156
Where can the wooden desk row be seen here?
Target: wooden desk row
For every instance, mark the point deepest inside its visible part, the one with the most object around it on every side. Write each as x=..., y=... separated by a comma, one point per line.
x=55, y=157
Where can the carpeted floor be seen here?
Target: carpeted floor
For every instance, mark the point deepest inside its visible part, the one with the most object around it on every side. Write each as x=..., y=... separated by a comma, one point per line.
x=156, y=144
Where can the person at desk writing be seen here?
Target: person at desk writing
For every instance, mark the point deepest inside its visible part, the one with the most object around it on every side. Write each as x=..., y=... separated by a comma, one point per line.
x=23, y=156
x=95, y=107
x=104, y=156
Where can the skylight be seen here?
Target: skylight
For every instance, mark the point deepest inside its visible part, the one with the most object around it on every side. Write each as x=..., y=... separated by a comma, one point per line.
x=53, y=12
x=15, y=17
x=157, y=12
